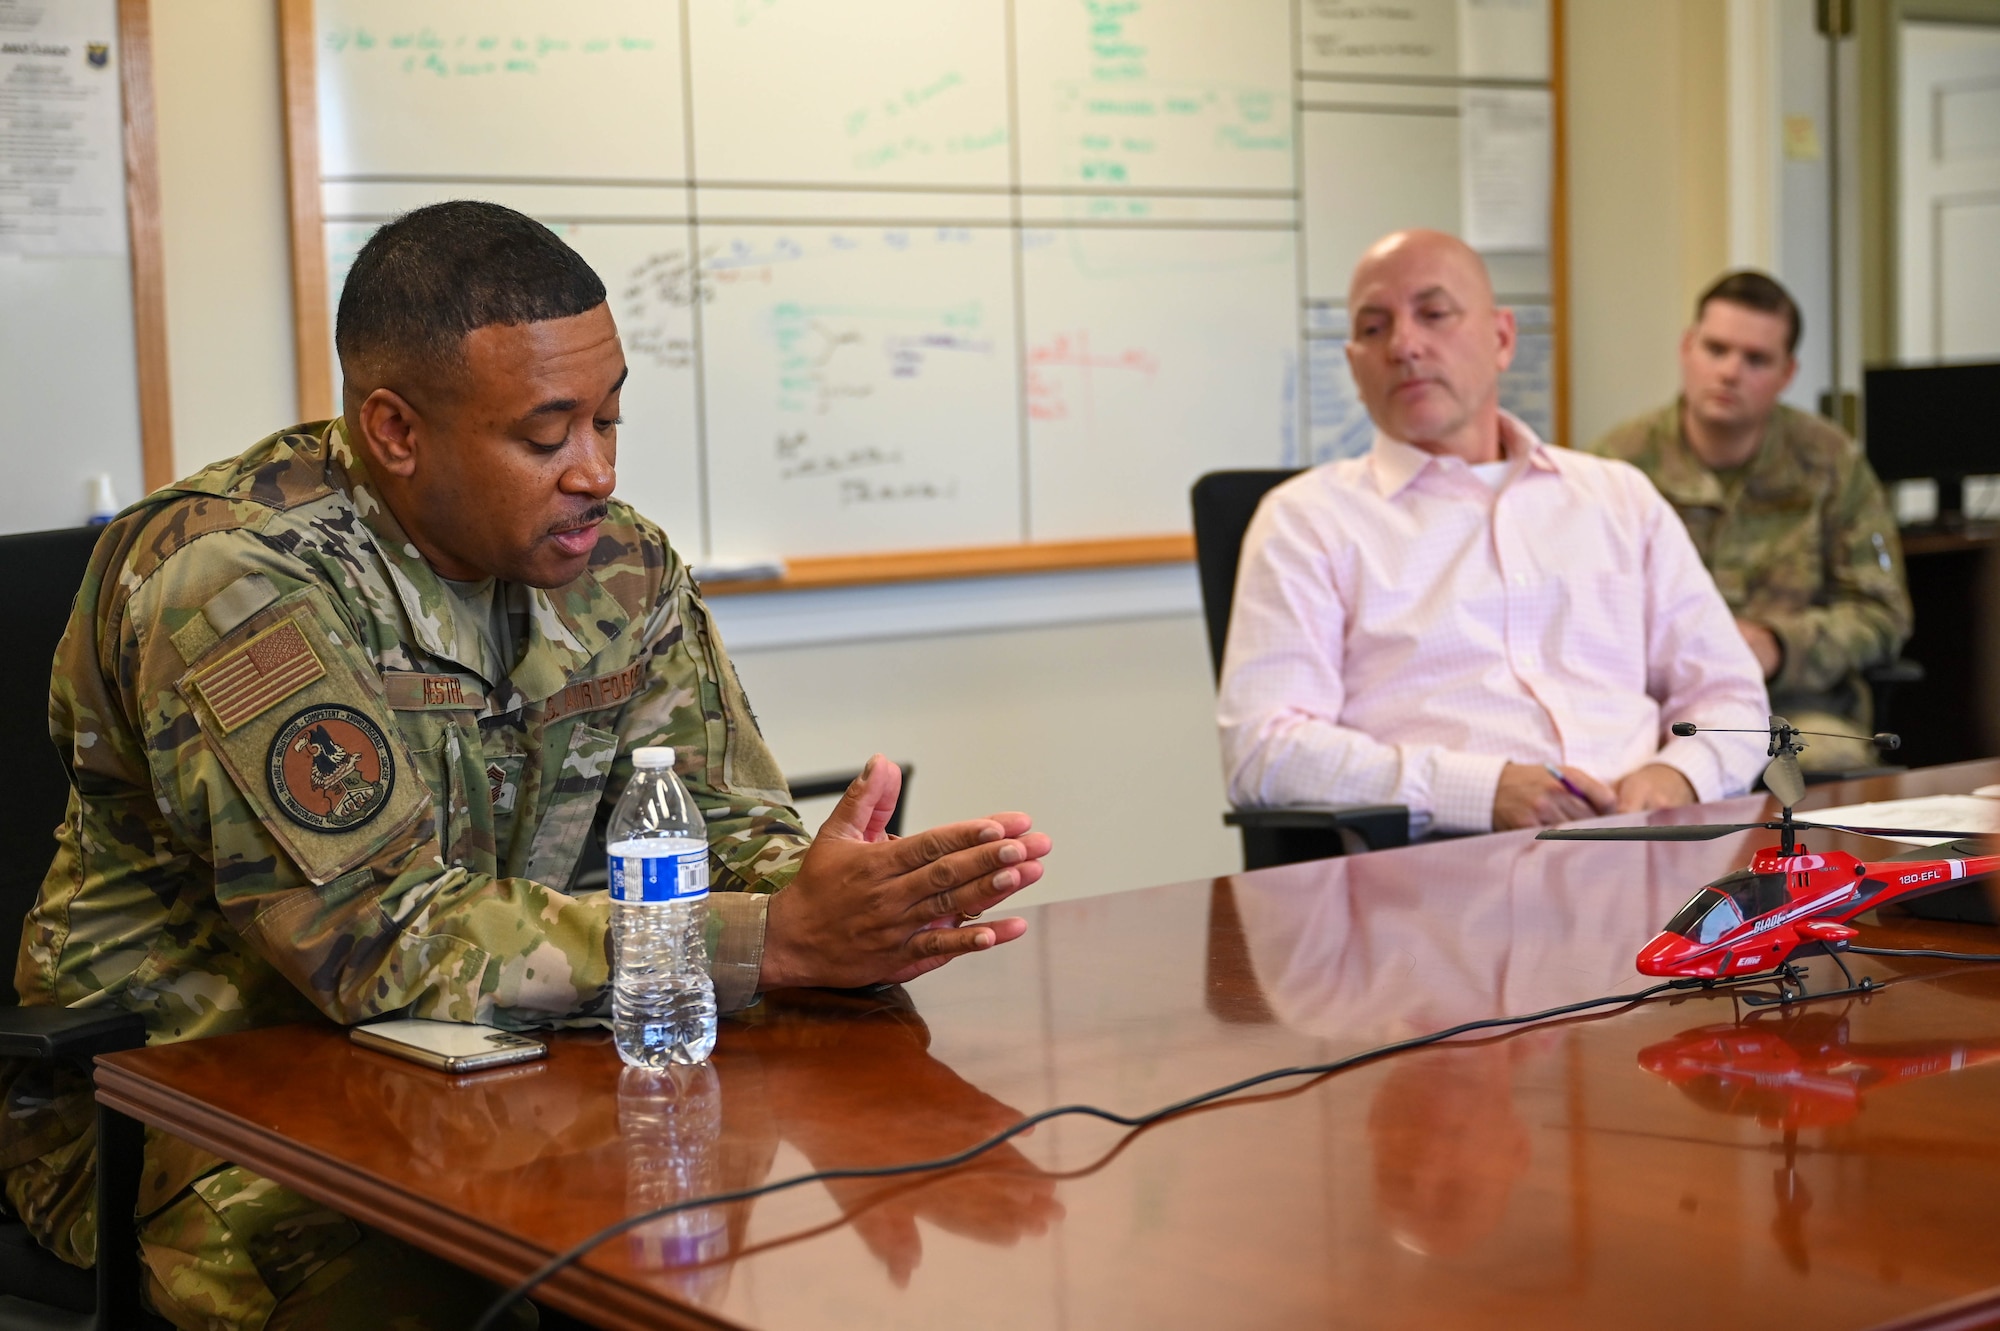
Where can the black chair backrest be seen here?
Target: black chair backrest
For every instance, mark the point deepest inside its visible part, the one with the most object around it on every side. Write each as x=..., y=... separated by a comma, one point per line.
x=1224, y=502
x=40, y=573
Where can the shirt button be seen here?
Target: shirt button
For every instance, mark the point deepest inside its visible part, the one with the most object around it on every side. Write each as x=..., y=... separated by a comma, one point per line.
x=1520, y=579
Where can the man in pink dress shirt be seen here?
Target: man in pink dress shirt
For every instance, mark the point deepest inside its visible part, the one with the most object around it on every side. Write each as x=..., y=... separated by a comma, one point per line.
x=1437, y=623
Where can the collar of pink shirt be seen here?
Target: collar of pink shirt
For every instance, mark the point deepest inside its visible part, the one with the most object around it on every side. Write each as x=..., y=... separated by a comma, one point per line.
x=1394, y=464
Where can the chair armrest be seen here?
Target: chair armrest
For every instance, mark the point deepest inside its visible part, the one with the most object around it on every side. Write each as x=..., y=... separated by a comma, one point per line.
x=1902, y=670
x=1380, y=826
x=45, y=1033
x=820, y=784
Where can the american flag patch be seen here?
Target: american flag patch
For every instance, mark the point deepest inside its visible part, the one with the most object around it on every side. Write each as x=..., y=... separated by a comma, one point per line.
x=258, y=675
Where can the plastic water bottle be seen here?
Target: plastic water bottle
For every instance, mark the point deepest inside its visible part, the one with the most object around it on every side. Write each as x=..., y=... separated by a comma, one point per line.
x=671, y=1122
x=662, y=1001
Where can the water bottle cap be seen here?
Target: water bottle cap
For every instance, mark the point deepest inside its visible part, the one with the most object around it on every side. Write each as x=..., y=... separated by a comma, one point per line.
x=653, y=755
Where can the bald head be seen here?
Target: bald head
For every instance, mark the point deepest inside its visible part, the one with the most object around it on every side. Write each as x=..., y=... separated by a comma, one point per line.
x=1428, y=343
x=1433, y=252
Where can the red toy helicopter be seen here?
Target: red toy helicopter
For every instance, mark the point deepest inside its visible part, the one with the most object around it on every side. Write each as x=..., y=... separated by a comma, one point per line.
x=1790, y=901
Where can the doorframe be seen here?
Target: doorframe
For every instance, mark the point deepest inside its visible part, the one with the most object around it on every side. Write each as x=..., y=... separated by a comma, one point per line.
x=1878, y=34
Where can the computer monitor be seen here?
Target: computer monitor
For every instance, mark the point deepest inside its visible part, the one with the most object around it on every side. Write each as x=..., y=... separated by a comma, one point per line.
x=1937, y=421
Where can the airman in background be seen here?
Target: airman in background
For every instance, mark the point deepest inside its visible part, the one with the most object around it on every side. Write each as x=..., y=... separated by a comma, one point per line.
x=1785, y=512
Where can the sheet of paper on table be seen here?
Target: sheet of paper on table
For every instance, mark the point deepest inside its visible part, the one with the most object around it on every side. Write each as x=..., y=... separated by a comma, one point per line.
x=1954, y=813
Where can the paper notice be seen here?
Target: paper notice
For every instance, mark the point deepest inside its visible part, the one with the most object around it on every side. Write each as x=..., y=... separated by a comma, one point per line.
x=1418, y=37
x=1953, y=813
x=1503, y=39
x=62, y=157
x=1504, y=169
x=1527, y=386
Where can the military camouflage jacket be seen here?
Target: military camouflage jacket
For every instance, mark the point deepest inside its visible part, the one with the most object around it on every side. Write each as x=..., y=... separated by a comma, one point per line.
x=1805, y=545
x=294, y=794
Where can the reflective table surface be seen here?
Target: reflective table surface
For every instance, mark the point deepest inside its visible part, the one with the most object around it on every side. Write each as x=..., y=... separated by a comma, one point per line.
x=1685, y=1161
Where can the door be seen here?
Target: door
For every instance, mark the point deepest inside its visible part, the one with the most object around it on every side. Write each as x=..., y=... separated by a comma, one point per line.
x=1948, y=235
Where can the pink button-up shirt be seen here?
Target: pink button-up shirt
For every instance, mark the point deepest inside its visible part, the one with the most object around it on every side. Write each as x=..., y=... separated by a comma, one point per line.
x=1402, y=631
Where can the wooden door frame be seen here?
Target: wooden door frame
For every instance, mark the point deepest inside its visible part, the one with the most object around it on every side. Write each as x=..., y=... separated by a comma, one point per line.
x=142, y=224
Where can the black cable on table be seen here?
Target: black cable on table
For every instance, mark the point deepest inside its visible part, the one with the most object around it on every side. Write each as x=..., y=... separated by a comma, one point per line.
x=1135, y=1121
x=1921, y=952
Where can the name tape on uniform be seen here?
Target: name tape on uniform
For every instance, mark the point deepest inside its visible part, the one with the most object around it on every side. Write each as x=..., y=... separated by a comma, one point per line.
x=413, y=692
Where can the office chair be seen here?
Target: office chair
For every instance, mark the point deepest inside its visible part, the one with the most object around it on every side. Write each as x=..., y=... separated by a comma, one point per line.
x=823, y=784
x=1224, y=502
x=1884, y=682
x=39, y=576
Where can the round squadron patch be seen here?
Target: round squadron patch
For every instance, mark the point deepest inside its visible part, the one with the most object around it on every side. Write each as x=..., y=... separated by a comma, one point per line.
x=331, y=769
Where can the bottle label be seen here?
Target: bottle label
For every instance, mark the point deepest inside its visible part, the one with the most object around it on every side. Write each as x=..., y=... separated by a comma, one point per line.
x=680, y=877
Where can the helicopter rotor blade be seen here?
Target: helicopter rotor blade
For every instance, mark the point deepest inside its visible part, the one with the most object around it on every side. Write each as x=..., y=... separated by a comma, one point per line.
x=1783, y=778
x=1712, y=831
x=1684, y=832
x=1928, y=833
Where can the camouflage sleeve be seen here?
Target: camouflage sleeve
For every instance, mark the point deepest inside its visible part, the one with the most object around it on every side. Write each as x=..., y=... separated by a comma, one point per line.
x=350, y=899
x=1862, y=616
x=690, y=700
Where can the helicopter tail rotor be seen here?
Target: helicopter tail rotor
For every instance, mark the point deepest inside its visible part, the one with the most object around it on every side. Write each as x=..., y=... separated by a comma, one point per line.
x=1783, y=779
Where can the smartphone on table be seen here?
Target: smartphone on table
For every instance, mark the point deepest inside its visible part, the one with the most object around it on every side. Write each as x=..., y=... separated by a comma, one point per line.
x=450, y=1046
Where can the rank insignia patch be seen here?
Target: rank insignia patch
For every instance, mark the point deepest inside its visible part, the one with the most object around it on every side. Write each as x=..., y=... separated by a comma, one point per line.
x=330, y=768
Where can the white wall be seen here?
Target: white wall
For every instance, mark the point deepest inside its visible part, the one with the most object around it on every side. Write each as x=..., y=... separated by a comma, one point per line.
x=223, y=225
x=1104, y=732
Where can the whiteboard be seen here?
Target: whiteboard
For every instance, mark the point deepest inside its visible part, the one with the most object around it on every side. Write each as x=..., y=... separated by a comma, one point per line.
x=862, y=383
x=1128, y=330
x=905, y=275
x=69, y=387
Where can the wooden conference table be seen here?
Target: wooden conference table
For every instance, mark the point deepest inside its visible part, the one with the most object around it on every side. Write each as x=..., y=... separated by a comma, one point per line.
x=1835, y=1164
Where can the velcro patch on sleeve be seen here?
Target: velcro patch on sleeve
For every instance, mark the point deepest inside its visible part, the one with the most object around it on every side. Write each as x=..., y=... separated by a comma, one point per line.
x=591, y=694
x=259, y=675
x=293, y=713
x=411, y=691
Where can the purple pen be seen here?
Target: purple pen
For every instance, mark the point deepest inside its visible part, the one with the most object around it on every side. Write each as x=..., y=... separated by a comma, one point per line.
x=1567, y=784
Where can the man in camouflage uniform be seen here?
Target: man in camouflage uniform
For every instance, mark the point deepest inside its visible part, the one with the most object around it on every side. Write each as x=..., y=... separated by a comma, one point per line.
x=1786, y=513
x=341, y=715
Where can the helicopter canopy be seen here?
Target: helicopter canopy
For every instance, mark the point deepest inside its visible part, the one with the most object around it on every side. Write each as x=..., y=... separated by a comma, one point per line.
x=1726, y=903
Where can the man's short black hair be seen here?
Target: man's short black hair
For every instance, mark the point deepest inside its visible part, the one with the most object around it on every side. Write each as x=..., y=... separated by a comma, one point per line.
x=433, y=275
x=1761, y=292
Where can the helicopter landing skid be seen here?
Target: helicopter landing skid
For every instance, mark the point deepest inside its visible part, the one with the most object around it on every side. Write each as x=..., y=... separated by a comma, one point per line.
x=1791, y=981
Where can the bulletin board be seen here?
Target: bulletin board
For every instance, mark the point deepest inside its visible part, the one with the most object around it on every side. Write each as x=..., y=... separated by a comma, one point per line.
x=936, y=288
x=83, y=359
